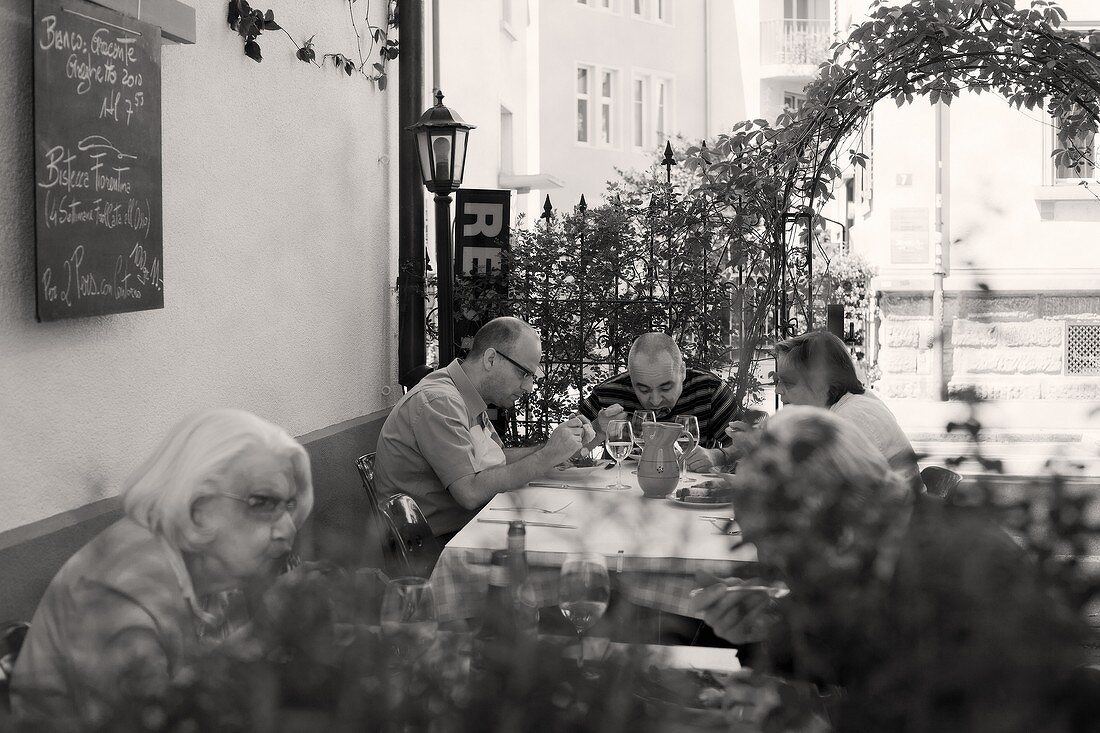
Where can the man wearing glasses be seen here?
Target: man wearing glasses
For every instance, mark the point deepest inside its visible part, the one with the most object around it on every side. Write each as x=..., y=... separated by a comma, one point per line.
x=438, y=445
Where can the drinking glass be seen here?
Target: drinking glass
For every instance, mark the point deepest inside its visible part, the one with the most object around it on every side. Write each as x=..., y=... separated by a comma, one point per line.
x=620, y=441
x=637, y=424
x=689, y=436
x=584, y=590
x=408, y=616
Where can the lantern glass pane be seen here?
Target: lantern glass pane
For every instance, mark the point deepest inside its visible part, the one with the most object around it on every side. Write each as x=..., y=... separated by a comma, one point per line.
x=424, y=156
x=442, y=158
x=460, y=155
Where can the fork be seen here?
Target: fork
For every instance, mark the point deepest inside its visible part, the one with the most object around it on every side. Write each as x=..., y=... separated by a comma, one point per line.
x=529, y=509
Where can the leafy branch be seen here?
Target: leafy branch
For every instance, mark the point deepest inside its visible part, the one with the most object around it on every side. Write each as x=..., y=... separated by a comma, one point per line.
x=251, y=22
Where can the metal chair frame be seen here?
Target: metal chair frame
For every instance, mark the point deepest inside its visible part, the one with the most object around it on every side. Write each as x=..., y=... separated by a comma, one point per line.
x=940, y=482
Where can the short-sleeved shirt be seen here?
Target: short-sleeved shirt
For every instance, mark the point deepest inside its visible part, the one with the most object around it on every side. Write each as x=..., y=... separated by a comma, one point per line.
x=873, y=418
x=125, y=582
x=706, y=396
x=435, y=435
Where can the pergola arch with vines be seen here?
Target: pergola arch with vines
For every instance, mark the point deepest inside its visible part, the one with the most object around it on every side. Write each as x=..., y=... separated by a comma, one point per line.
x=759, y=179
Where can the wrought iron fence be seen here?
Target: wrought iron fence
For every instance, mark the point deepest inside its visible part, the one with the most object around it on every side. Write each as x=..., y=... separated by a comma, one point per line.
x=594, y=278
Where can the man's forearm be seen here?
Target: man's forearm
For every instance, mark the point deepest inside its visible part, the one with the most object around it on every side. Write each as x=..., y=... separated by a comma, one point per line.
x=474, y=491
x=515, y=454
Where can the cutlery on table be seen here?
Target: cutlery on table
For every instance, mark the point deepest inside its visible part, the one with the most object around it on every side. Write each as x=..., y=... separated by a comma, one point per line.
x=724, y=525
x=529, y=524
x=529, y=509
x=549, y=485
x=772, y=591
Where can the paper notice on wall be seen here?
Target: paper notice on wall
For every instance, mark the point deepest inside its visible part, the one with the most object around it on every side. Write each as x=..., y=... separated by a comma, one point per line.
x=909, y=236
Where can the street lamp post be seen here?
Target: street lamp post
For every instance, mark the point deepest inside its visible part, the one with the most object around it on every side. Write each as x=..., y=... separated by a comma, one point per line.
x=441, y=137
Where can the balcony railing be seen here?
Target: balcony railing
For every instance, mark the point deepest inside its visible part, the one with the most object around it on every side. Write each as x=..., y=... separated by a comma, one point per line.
x=793, y=42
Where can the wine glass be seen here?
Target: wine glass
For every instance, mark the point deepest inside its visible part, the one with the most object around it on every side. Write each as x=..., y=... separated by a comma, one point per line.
x=584, y=590
x=620, y=441
x=638, y=424
x=689, y=436
x=408, y=616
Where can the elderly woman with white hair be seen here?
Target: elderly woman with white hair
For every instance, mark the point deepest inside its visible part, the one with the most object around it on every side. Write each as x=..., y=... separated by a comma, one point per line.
x=216, y=505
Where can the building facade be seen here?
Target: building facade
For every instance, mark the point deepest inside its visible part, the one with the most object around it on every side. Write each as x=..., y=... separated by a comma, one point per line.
x=970, y=191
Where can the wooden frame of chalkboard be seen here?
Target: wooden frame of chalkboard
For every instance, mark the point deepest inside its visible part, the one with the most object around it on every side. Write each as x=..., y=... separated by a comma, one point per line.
x=99, y=241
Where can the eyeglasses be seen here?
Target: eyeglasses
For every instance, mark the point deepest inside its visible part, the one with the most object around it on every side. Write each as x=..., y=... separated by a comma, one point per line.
x=525, y=373
x=266, y=508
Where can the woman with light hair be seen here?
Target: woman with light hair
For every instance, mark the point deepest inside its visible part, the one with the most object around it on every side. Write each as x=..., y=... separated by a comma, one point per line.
x=216, y=505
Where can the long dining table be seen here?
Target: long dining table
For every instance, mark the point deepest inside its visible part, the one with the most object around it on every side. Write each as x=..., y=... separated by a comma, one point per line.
x=654, y=548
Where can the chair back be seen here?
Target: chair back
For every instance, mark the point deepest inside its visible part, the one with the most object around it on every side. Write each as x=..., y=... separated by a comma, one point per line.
x=939, y=481
x=413, y=546
x=12, y=634
x=365, y=466
x=376, y=529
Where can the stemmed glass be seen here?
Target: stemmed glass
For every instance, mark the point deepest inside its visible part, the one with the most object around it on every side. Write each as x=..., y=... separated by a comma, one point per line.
x=620, y=441
x=689, y=436
x=408, y=616
x=638, y=423
x=584, y=590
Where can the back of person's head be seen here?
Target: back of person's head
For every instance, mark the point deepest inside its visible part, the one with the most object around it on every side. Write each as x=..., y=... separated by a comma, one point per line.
x=654, y=345
x=822, y=456
x=194, y=460
x=501, y=334
x=824, y=359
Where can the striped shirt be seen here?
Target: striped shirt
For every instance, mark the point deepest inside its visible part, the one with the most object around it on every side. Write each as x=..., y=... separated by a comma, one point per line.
x=705, y=395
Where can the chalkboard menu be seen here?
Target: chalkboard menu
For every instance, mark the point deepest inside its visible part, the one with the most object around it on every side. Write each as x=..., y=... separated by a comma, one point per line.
x=98, y=227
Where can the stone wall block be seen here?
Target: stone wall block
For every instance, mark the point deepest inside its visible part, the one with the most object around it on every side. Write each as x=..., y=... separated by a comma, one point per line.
x=981, y=361
x=899, y=334
x=973, y=333
x=1070, y=307
x=903, y=387
x=927, y=334
x=1031, y=333
x=996, y=390
x=905, y=305
x=898, y=361
x=999, y=307
x=1008, y=360
x=1071, y=388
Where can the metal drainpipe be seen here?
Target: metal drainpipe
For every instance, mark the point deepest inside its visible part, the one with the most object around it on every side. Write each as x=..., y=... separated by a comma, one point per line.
x=411, y=347
x=941, y=143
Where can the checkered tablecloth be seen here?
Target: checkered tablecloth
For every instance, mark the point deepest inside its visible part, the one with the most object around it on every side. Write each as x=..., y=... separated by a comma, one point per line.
x=653, y=547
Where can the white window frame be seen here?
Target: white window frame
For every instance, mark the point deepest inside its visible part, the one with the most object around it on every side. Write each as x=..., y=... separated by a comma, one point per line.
x=798, y=98
x=651, y=81
x=586, y=97
x=508, y=19
x=596, y=101
x=1052, y=176
x=600, y=6
x=652, y=11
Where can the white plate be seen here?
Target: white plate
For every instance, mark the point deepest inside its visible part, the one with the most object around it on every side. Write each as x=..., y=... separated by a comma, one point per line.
x=696, y=504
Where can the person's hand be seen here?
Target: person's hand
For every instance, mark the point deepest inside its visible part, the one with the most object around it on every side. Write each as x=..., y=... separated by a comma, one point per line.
x=737, y=616
x=589, y=433
x=737, y=427
x=607, y=414
x=567, y=438
x=704, y=459
x=749, y=698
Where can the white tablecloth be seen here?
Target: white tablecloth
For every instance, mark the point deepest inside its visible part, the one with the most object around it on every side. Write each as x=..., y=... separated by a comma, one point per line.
x=653, y=547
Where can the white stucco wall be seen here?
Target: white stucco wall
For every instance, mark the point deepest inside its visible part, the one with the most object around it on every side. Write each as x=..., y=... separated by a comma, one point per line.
x=279, y=251
x=571, y=35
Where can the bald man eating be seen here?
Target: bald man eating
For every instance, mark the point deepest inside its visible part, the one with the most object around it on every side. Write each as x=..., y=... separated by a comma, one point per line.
x=657, y=379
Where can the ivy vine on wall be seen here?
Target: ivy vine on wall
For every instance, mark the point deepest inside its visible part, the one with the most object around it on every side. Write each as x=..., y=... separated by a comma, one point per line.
x=251, y=22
